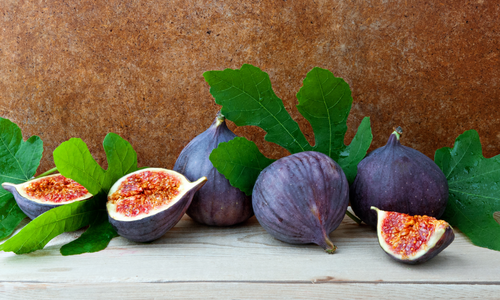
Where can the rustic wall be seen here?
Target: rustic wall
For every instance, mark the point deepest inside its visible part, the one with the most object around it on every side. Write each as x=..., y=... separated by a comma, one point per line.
x=83, y=68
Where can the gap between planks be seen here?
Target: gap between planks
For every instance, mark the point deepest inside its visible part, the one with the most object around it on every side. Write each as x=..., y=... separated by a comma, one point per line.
x=203, y=290
x=292, y=282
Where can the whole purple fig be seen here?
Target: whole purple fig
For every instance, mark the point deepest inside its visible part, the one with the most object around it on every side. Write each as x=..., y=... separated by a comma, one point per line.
x=302, y=198
x=398, y=178
x=217, y=202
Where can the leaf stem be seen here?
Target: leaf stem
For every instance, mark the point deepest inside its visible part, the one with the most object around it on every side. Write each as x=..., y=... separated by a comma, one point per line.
x=353, y=217
x=47, y=172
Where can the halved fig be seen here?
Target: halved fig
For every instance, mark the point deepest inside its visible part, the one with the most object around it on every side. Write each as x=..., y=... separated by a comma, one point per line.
x=412, y=239
x=143, y=205
x=39, y=195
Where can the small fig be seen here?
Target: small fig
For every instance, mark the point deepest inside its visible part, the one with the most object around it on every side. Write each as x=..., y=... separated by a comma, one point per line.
x=39, y=195
x=412, y=239
x=217, y=202
x=143, y=205
x=398, y=178
x=302, y=198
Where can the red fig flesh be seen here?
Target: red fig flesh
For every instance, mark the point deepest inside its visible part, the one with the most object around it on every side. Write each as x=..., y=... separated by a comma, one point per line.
x=143, y=205
x=39, y=195
x=412, y=239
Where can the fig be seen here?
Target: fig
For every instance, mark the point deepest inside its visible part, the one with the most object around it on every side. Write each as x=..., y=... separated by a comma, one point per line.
x=302, y=198
x=398, y=178
x=143, y=205
x=217, y=203
x=412, y=239
x=39, y=195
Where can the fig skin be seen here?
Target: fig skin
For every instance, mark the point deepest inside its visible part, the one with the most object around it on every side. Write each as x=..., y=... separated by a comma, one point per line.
x=446, y=238
x=151, y=227
x=398, y=178
x=217, y=203
x=33, y=208
x=302, y=198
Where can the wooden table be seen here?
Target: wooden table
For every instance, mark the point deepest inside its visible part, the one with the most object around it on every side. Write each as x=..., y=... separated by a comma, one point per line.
x=244, y=262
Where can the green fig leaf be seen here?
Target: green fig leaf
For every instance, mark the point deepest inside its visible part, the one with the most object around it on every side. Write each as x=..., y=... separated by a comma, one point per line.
x=73, y=160
x=96, y=238
x=10, y=214
x=121, y=157
x=241, y=170
x=325, y=101
x=247, y=98
x=356, y=151
x=474, y=189
x=19, y=161
x=37, y=233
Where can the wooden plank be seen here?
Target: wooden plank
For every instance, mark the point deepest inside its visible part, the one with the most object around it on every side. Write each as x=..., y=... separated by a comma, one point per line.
x=192, y=252
x=217, y=290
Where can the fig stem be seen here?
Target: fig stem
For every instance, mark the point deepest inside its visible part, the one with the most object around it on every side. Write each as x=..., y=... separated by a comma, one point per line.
x=331, y=248
x=353, y=217
x=47, y=172
x=220, y=118
x=398, y=132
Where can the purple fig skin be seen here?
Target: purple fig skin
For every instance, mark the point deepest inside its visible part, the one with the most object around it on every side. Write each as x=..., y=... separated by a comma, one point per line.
x=30, y=208
x=153, y=227
x=217, y=203
x=398, y=178
x=302, y=198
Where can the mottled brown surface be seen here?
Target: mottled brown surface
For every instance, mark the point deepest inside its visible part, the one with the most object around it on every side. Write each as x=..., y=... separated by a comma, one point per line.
x=86, y=68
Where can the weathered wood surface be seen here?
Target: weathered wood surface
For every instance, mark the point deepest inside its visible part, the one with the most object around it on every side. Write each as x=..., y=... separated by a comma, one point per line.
x=237, y=290
x=245, y=262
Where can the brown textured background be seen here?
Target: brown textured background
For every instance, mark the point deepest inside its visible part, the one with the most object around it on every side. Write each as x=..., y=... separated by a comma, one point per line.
x=85, y=68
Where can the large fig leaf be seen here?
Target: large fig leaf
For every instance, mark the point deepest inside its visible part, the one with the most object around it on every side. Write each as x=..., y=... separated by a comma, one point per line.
x=18, y=163
x=37, y=233
x=325, y=101
x=73, y=160
x=10, y=214
x=474, y=185
x=247, y=98
x=241, y=170
x=96, y=238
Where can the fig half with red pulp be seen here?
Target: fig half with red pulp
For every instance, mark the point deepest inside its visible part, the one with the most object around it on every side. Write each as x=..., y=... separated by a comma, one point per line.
x=412, y=239
x=39, y=195
x=143, y=205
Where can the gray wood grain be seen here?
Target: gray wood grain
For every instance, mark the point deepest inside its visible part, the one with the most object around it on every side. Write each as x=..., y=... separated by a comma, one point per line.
x=217, y=290
x=246, y=253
